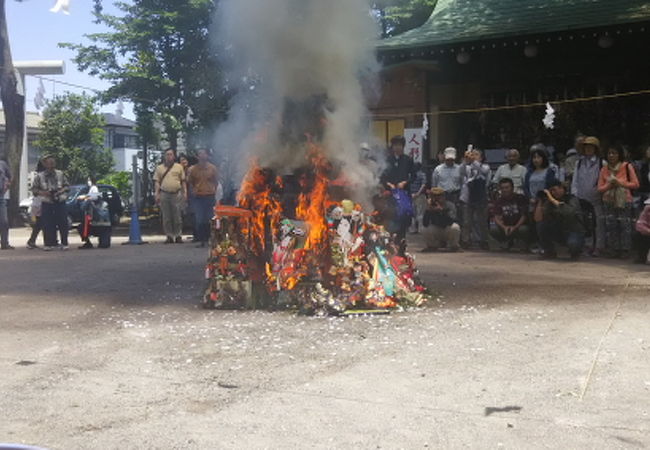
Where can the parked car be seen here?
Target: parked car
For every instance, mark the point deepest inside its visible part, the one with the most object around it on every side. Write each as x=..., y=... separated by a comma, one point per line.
x=73, y=206
x=110, y=194
x=25, y=208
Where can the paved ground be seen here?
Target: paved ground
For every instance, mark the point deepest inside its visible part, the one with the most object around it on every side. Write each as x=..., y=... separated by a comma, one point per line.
x=108, y=349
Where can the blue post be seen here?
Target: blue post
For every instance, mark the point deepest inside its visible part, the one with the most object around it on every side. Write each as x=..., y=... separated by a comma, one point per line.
x=135, y=238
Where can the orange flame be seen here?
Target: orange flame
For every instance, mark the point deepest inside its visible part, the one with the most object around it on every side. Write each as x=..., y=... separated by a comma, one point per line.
x=312, y=205
x=257, y=195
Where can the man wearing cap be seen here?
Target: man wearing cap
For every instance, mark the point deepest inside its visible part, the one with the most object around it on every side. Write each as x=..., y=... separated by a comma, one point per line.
x=585, y=187
x=52, y=186
x=512, y=170
x=559, y=219
x=448, y=176
x=641, y=238
x=441, y=228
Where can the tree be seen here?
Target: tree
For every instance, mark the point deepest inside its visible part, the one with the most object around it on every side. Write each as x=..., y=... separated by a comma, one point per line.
x=157, y=55
x=398, y=16
x=13, y=103
x=150, y=135
x=72, y=130
x=122, y=182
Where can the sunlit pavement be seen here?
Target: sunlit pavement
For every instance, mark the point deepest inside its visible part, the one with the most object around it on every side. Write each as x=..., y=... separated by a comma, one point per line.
x=109, y=349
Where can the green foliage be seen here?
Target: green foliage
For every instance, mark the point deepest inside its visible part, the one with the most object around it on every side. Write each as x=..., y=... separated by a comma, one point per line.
x=122, y=182
x=398, y=16
x=157, y=55
x=72, y=131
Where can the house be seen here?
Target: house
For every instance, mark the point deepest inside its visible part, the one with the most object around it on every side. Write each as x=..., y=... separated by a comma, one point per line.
x=484, y=69
x=120, y=136
x=33, y=122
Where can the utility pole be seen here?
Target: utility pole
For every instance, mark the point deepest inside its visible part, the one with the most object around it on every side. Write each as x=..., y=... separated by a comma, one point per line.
x=13, y=104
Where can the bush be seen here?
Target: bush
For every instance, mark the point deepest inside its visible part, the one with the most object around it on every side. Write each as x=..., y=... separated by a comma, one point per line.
x=122, y=182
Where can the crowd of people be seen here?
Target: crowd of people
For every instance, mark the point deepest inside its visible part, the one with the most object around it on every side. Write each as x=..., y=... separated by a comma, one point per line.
x=182, y=190
x=591, y=200
x=179, y=185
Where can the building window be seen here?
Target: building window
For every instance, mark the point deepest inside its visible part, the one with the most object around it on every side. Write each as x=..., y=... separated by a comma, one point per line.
x=125, y=141
x=108, y=138
x=384, y=130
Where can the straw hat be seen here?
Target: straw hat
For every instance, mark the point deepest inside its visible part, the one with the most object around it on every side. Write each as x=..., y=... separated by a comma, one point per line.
x=592, y=140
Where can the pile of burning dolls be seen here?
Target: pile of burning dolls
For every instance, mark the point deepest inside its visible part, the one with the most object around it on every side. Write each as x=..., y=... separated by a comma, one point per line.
x=330, y=258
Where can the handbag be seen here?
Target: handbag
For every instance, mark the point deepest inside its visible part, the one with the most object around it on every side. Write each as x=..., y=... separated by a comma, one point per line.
x=404, y=203
x=617, y=197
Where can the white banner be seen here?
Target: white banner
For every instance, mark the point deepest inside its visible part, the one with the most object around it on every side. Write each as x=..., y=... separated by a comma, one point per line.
x=414, y=143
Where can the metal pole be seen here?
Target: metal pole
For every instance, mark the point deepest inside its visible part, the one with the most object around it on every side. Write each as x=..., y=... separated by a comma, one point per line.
x=23, y=188
x=135, y=238
x=136, y=183
x=145, y=174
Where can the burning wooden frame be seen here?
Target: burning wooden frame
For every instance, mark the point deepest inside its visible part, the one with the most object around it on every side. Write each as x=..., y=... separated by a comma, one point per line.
x=317, y=256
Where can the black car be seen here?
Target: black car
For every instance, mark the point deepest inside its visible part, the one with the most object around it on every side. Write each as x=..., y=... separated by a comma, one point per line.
x=110, y=194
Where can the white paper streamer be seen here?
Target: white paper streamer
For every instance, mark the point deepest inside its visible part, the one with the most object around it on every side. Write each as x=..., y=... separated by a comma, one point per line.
x=549, y=118
x=425, y=125
x=61, y=5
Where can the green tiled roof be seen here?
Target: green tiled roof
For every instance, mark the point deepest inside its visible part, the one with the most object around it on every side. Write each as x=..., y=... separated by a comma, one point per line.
x=458, y=21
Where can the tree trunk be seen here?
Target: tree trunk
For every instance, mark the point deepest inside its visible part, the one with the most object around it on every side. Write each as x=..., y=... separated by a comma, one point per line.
x=13, y=104
x=145, y=173
x=172, y=138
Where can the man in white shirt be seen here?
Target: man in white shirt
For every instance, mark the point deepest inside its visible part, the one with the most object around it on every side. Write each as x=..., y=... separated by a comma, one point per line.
x=448, y=176
x=512, y=170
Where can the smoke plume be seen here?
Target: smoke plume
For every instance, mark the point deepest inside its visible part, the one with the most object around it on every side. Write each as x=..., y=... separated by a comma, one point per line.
x=296, y=67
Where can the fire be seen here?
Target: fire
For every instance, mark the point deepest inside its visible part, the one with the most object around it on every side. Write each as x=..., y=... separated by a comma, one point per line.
x=312, y=205
x=304, y=249
x=257, y=195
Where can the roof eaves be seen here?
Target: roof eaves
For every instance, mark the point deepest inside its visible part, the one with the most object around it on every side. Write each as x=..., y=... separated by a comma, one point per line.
x=444, y=20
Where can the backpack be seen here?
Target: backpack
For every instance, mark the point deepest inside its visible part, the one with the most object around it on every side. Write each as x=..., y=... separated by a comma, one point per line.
x=477, y=190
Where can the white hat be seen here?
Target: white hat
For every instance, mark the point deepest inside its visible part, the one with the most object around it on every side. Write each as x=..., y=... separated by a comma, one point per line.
x=450, y=153
x=647, y=202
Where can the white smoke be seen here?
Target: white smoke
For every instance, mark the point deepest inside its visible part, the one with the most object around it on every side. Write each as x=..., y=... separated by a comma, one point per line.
x=294, y=50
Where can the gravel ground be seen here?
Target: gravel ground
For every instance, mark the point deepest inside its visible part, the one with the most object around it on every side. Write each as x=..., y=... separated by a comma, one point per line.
x=109, y=350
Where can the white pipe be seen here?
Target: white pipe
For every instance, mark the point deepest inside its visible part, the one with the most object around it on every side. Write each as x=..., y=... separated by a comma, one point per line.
x=43, y=67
